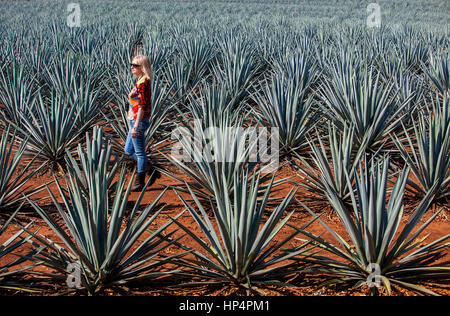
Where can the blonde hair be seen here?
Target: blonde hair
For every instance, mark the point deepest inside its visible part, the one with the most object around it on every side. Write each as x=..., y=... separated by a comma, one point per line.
x=146, y=65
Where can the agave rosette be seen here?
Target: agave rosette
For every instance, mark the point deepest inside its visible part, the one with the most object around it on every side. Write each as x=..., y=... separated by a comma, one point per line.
x=97, y=232
x=380, y=253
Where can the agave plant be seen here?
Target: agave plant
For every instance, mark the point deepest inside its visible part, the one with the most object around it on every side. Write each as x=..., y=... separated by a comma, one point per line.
x=99, y=237
x=237, y=66
x=427, y=151
x=17, y=92
x=238, y=251
x=389, y=65
x=92, y=158
x=217, y=144
x=411, y=90
x=79, y=78
x=206, y=154
x=84, y=42
x=37, y=55
x=158, y=53
x=128, y=41
x=52, y=128
x=286, y=105
x=191, y=67
x=197, y=51
x=412, y=52
x=215, y=105
x=355, y=96
x=62, y=73
x=380, y=253
x=334, y=160
x=13, y=182
x=119, y=84
x=301, y=68
x=7, y=51
x=273, y=48
x=439, y=73
x=181, y=76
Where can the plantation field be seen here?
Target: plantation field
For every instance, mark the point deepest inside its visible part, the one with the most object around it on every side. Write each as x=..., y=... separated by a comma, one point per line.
x=355, y=119
x=438, y=228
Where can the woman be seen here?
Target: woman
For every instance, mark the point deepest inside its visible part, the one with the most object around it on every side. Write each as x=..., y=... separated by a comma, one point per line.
x=139, y=116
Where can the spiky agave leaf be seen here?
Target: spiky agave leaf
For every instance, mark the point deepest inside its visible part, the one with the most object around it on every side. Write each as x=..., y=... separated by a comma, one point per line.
x=214, y=105
x=389, y=65
x=208, y=153
x=83, y=42
x=301, y=68
x=90, y=98
x=158, y=52
x=411, y=50
x=37, y=55
x=399, y=256
x=197, y=51
x=411, y=90
x=93, y=154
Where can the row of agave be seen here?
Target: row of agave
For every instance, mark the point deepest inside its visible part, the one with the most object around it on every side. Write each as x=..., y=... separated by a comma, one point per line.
x=114, y=245
x=388, y=82
x=340, y=111
x=288, y=14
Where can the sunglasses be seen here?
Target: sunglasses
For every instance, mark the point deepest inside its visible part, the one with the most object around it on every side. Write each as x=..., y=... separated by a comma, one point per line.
x=135, y=65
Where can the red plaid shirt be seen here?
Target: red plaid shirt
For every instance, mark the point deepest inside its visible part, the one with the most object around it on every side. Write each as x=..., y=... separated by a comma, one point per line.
x=141, y=98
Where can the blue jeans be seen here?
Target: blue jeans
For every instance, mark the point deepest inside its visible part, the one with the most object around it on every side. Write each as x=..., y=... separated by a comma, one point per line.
x=135, y=147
